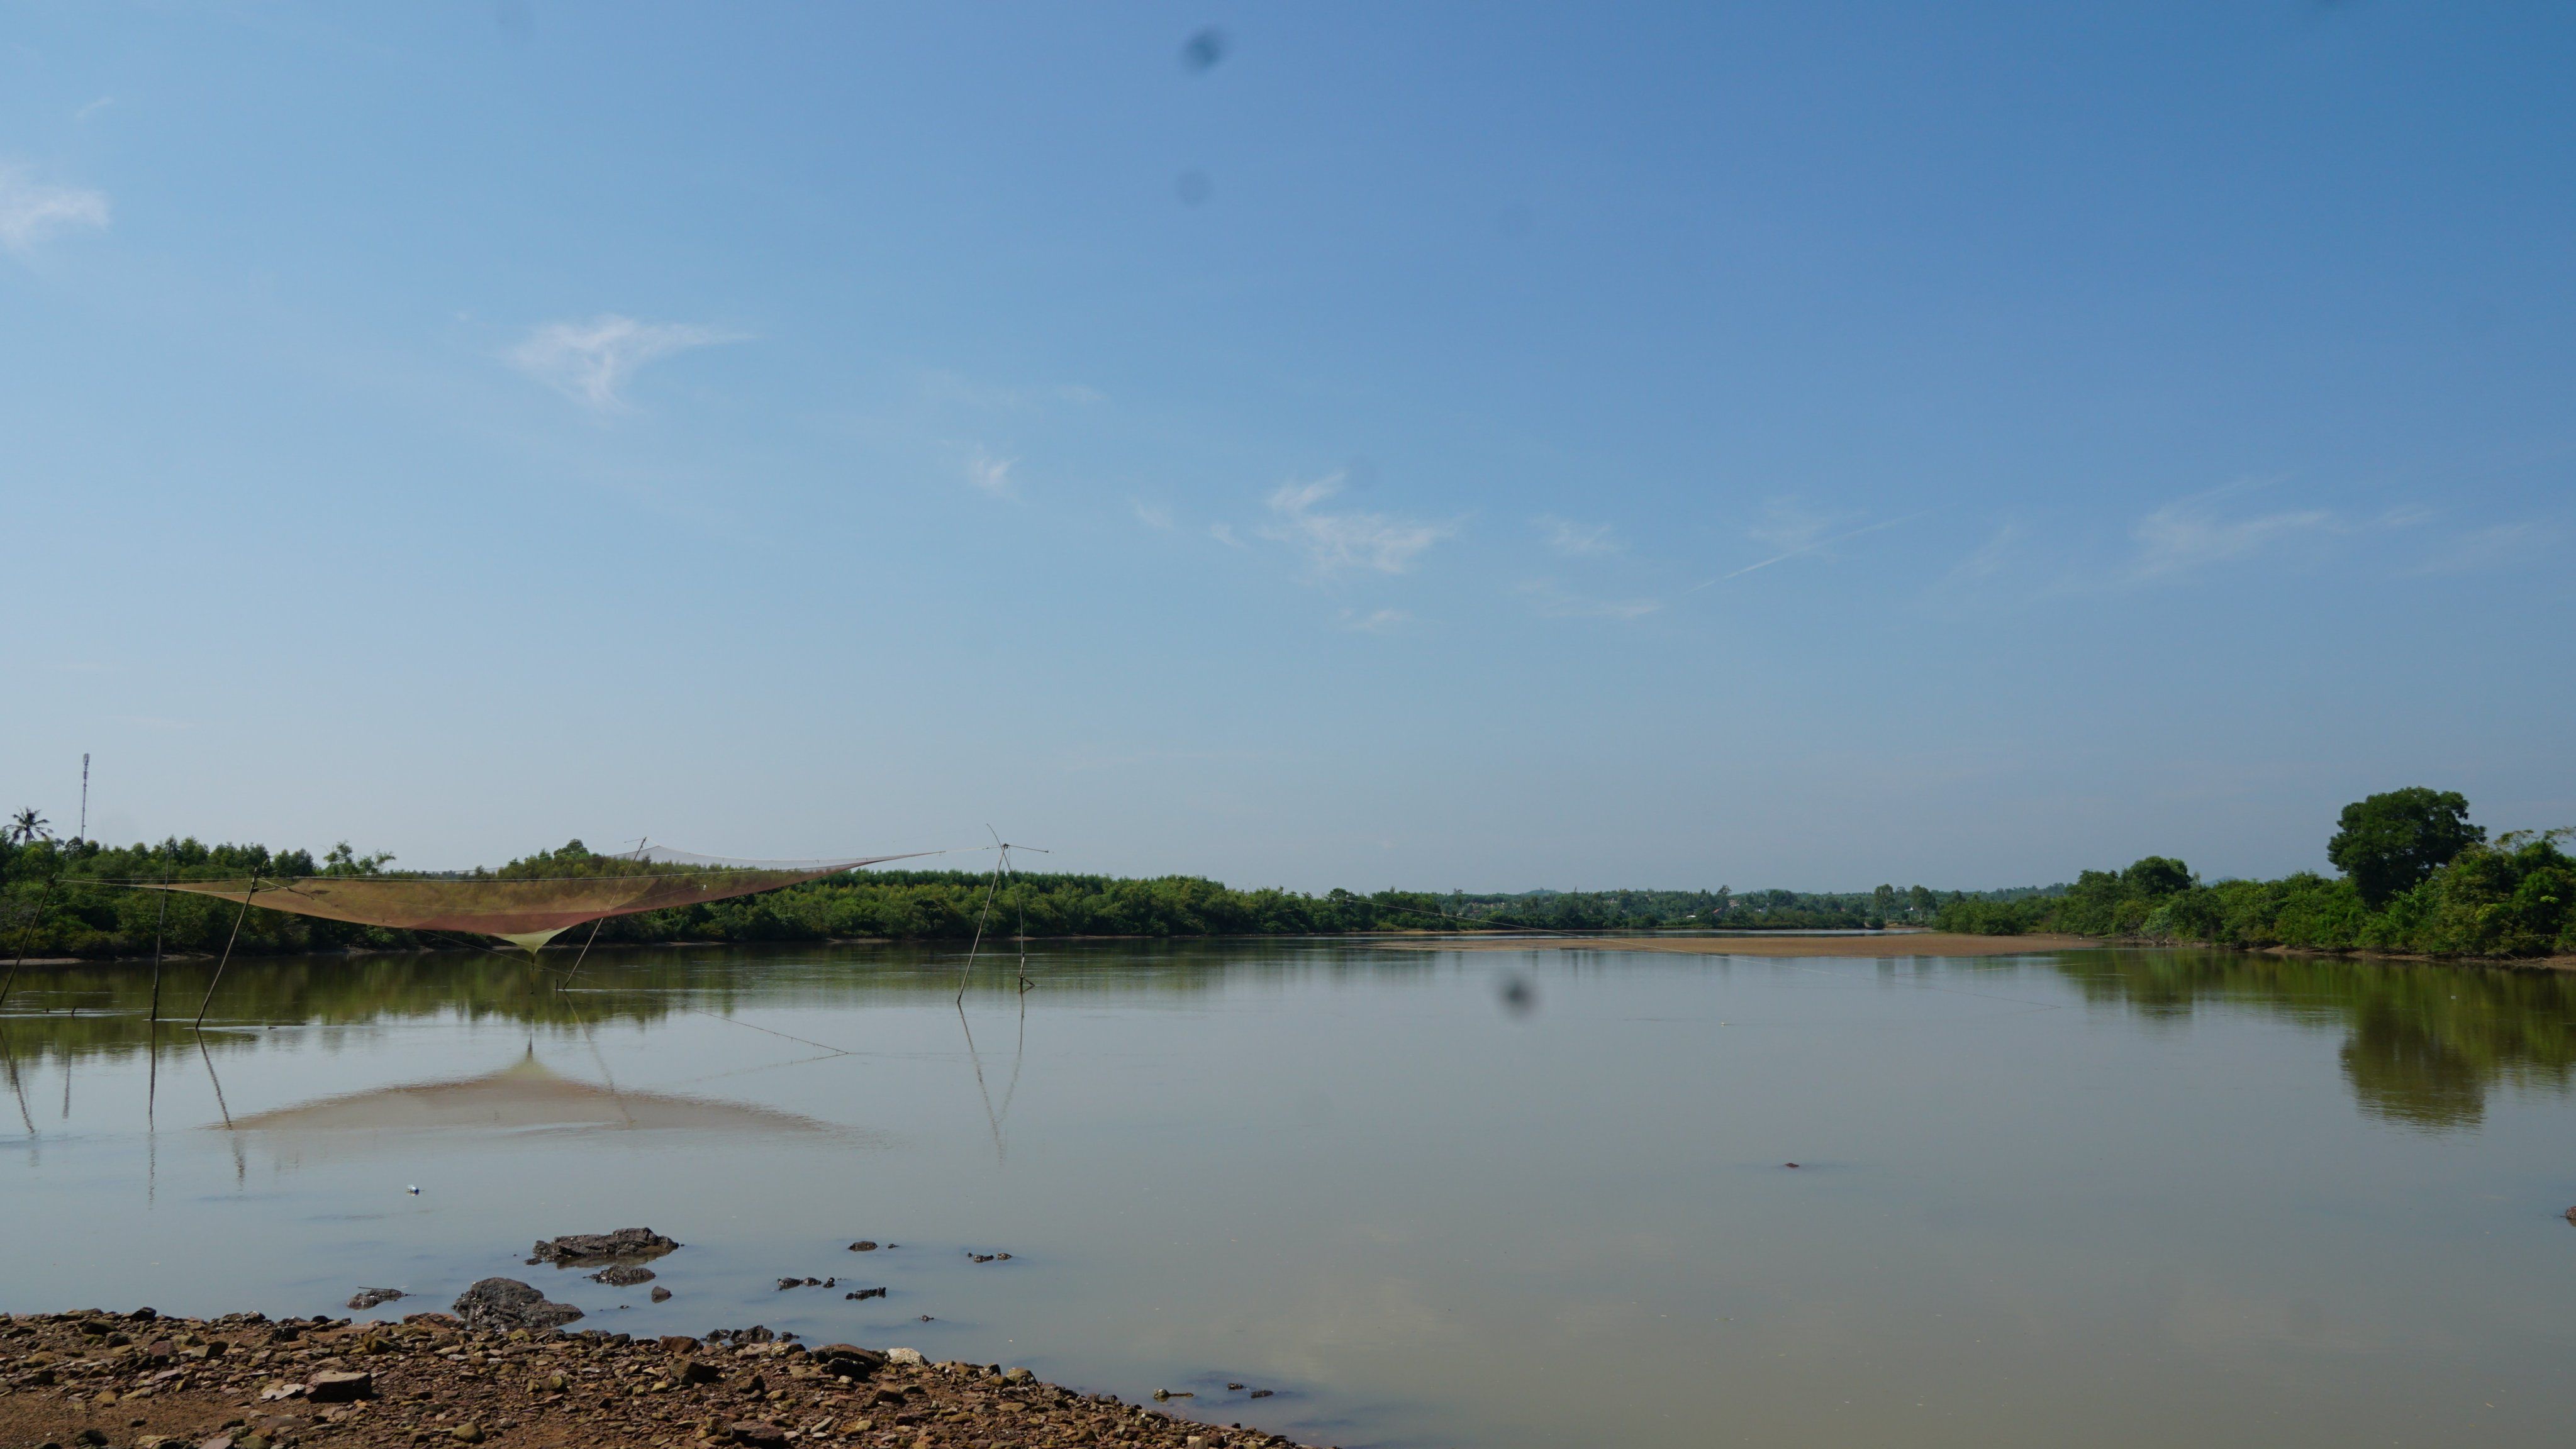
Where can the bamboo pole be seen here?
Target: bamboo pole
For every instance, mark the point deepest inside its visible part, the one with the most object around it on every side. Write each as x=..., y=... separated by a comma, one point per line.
x=27, y=936
x=200, y=1022
x=160, y=922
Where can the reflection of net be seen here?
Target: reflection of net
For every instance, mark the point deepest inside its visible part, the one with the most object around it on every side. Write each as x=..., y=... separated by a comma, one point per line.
x=529, y=912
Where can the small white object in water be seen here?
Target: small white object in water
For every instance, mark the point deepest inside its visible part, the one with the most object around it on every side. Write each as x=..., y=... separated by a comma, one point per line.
x=411, y=1188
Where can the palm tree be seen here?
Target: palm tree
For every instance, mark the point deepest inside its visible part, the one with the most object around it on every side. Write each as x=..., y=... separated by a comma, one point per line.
x=27, y=827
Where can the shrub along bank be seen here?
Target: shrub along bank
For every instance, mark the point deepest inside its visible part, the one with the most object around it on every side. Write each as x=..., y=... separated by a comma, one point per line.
x=2417, y=879
x=57, y=898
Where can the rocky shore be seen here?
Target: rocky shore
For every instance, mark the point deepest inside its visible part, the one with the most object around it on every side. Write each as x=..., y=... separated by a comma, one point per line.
x=96, y=1380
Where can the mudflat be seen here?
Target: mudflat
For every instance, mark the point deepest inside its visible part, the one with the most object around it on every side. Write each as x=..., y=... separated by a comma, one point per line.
x=1900, y=943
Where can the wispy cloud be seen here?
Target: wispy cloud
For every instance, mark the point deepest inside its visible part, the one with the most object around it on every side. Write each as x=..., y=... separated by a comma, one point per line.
x=1337, y=541
x=590, y=361
x=31, y=211
x=1224, y=534
x=1790, y=528
x=1152, y=515
x=990, y=472
x=1579, y=540
x=1557, y=603
x=1795, y=532
x=1987, y=561
x=2191, y=534
x=2498, y=546
x=1376, y=621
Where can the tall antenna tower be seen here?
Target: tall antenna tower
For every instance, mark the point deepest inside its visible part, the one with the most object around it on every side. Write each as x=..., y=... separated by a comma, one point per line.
x=84, y=831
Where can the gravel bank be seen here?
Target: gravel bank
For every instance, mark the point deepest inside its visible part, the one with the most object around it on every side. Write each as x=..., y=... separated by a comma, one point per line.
x=93, y=1380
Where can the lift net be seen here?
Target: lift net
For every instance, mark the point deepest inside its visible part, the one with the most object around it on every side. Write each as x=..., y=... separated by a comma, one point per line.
x=527, y=913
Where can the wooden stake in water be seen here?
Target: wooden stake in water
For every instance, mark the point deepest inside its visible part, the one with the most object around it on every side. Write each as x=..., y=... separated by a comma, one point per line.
x=160, y=921
x=219, y=969
x=43, y=898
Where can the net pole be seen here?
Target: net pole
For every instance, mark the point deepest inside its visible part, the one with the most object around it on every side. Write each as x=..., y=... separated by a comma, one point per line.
x=980, y=917
x=16, y=1086
x=27, y=937
x=1020, y=888
x=161, y=921
x=583, y=956
x=200, y=1022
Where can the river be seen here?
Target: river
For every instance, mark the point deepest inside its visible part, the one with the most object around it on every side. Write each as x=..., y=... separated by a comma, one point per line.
x=1418, y=1197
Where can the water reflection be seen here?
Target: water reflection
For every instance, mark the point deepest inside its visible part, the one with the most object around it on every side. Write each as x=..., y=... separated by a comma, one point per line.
x=525, y=1096
x=106, y=1010
x=2424, y=1045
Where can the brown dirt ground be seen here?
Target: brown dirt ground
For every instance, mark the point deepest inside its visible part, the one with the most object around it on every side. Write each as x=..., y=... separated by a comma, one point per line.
x=67, y=1380
x=1908, y=943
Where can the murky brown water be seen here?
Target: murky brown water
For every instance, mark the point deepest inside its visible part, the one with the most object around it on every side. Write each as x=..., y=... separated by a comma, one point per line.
x=2118, y=1198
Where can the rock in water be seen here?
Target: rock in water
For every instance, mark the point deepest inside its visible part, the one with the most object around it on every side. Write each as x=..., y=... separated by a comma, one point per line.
x=370, y=1297
x=501, y=1304
x=661, y=1294
x=633, y=1244
x=623, y=1275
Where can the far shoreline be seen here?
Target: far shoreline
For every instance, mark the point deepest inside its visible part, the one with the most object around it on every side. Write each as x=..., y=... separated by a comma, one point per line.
x=1889, y=944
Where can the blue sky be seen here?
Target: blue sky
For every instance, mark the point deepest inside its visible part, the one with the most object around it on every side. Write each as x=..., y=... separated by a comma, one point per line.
x=1479, y=447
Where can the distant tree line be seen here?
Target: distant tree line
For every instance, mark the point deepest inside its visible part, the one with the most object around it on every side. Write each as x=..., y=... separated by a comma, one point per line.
x=56, y=900
x=2415, y=877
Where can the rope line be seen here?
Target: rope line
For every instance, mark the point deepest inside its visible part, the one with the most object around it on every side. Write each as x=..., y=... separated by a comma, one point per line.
x=791, y=1036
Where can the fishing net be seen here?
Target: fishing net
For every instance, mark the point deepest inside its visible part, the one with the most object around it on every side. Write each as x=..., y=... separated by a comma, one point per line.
x=526, y=913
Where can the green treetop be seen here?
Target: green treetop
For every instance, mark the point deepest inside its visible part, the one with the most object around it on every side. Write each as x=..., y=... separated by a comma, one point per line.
x=2389, y=844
